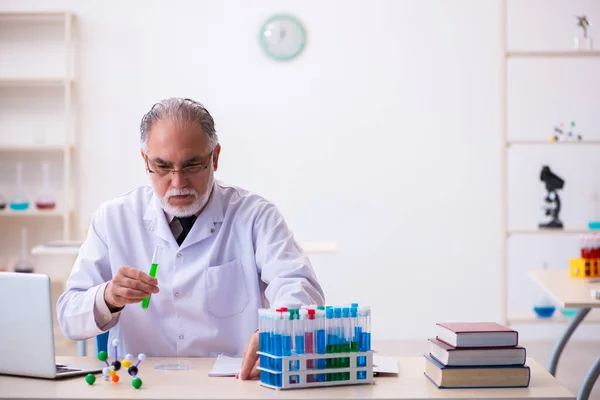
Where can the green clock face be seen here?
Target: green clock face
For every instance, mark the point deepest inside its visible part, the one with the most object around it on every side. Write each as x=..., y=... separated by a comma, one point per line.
x=282, y=37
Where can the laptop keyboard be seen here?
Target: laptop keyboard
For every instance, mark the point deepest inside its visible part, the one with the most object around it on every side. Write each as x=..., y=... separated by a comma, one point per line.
x=61, y=369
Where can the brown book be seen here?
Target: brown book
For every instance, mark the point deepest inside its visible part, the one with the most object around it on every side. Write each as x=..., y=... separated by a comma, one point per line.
x=476, y=334
x=449, y=355
x=445, y=377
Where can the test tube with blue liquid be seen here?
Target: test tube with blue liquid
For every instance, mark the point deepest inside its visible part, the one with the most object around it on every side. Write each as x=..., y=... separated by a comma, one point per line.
x=321, y=342
x=365, y=338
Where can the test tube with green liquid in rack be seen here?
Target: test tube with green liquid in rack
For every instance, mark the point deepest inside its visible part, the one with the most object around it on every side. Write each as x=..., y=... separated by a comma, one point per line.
x=153, y=270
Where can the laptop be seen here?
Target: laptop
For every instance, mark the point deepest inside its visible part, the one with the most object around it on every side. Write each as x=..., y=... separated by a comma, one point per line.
x=26, y=329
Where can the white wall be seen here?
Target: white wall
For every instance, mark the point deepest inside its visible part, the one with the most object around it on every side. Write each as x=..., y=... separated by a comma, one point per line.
x=383, y=136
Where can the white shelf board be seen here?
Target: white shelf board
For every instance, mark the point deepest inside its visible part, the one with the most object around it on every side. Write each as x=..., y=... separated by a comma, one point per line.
x=557, y=318
x=32, y=212
x=552, y=54
x=34, y=82
x=43, y=148
x=537, y=231
x=57, y=248
x=34, y=14
x=72, y=248
x=547, y=142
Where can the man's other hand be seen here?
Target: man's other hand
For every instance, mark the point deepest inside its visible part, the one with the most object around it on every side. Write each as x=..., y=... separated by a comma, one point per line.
x=250, y=362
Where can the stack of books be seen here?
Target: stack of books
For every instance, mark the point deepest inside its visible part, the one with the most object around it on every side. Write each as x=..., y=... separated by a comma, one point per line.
x=476, y=355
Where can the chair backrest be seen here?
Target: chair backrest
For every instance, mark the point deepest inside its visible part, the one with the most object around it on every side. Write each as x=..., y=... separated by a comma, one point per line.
x=102, y=342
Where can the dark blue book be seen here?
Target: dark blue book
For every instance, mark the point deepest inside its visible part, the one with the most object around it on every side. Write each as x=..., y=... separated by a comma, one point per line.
x=493, y=376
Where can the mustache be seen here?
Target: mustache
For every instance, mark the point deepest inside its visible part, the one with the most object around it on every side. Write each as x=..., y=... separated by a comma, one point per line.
x=181, y=192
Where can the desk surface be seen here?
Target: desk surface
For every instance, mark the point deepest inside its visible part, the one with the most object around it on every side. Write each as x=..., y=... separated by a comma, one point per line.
x=195, y=384
x=568, y=292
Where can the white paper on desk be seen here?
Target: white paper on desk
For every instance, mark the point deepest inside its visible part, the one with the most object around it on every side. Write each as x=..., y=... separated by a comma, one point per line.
x=226, y=366
x=385, y=365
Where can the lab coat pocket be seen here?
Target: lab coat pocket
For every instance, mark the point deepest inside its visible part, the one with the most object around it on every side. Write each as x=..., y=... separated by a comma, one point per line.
x=226, y=289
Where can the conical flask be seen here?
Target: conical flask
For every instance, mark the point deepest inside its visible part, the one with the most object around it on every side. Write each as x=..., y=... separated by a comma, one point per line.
x=46, y=200
x=24, y=265
x=19, y=200
x=544, y=307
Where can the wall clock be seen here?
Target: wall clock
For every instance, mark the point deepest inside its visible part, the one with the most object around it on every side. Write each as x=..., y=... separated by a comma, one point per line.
x=282, y=37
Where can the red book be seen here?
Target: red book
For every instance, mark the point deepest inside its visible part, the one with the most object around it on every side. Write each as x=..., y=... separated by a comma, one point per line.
x=476, y=334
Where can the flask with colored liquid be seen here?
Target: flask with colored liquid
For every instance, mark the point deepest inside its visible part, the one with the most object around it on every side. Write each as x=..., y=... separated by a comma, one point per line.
x=24, y=265
x=19, y=200
x=46, y=201
x=545, y=307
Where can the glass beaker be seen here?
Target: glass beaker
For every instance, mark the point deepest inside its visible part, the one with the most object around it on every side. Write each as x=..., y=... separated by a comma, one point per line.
x=46, y=201
x=23, y=264
x=19, y=201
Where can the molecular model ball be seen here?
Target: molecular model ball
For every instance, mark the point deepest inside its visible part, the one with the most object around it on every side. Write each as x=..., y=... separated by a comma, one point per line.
x=110, y=371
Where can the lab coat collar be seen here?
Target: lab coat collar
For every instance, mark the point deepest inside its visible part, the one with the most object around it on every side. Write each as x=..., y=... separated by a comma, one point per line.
x=203, y=227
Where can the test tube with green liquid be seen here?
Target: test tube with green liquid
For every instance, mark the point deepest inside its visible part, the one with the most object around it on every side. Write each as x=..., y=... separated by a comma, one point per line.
x=153, y=270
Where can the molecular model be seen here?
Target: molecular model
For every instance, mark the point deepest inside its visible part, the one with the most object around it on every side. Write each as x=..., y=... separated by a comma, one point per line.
x=110, y=371
x=562, y=134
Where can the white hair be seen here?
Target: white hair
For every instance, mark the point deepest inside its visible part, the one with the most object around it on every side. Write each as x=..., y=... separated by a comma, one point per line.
x=181, y=111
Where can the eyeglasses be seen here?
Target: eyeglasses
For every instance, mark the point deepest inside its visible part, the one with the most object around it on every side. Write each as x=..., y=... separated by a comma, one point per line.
x=189, y=170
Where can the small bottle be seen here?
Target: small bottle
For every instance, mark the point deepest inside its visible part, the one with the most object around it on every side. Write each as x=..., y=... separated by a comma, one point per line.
x=19, y=201
x=2, y=202
x=24, y=265
x=46, y=201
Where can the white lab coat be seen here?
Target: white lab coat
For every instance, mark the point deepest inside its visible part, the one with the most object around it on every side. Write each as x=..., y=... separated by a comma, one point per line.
x=239, y=256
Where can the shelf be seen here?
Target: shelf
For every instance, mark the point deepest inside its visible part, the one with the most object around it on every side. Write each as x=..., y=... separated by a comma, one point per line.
x=36, y=148
x=72, y=248
x=58, y=248
x=552, y=54
x=547, y=142
x=31, y=212
x=34, y=14
x=537, y=231
x=557, y=318
x=34, y=82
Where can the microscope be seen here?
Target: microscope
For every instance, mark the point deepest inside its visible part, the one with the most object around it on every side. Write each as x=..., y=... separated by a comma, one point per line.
x=552, y=201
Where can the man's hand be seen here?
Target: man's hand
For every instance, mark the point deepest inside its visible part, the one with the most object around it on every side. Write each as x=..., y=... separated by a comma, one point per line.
x=129, y=285
x=250, y=362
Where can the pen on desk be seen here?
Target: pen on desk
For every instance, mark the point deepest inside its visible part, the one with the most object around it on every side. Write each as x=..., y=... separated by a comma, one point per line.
x=153, y=271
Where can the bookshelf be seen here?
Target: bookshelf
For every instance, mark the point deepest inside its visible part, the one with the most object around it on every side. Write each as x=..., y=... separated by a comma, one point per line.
x=37, y=43
x=509, y=317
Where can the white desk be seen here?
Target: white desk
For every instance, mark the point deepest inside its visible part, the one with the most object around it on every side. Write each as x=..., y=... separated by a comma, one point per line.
x=195, y=384
x=570, y=293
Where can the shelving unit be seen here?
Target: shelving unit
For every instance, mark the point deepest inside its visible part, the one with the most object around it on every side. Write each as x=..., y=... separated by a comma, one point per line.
x=557, y=318
x=71, y=248
x=506, y=145
x=537, y=231
x=64, y=83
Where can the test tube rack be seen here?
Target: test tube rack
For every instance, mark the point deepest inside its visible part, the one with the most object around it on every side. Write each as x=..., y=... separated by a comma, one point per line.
x=291, y=372
x=588, y=264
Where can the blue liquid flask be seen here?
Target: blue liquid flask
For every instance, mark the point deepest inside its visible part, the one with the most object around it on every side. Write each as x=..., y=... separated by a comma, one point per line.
x=19, y=201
